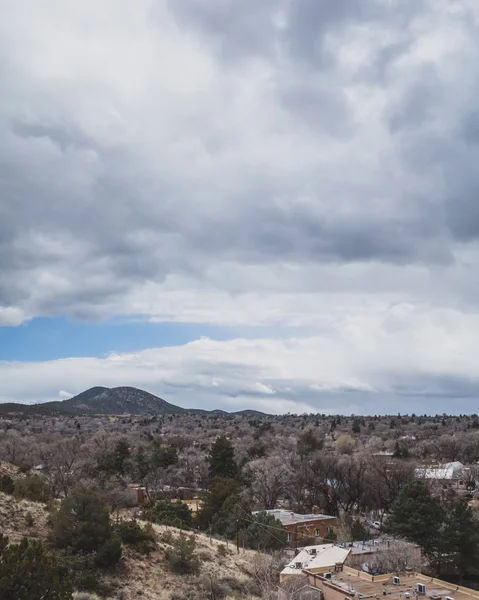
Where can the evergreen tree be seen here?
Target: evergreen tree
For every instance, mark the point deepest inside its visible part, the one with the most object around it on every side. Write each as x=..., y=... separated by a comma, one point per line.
x=28, y=571
x=356, y=425
x=417, y=515
x=82, y=525
x=264, y=532
x=223, y=510
x=358, y=531
x=164, y=455
x=222, y=459
x=461, y=538
x=167, y=512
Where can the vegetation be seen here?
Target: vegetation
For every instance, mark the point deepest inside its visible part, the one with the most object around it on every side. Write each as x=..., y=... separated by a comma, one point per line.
x=29, y=571
x=142, y=539
x=182, y=557
x=166, y=512
x=357, y=468
x=32, y=488
x=82, y=525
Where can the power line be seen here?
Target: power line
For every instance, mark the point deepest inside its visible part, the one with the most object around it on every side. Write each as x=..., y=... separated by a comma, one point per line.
x=298, y=533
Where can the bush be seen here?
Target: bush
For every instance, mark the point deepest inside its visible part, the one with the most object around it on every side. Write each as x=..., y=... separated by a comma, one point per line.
x=32, y=488
x=132, y=534
x=165, y=512
x=7, y=484
x=29, y=571
x=82, y=525
x=109, y=553
x=182, y=557
x=29, y=519
x=222, y=550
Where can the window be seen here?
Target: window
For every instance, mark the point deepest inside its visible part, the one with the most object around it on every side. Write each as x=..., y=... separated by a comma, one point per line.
x=316, y=532
x=289, y=537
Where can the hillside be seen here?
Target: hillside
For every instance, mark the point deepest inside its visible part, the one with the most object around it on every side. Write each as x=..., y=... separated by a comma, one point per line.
x=148, y=576
x=99, y=400
x=116, y=401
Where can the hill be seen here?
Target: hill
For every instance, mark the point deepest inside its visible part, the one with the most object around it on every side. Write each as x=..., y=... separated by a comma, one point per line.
x=111, y=401
x=116, y=401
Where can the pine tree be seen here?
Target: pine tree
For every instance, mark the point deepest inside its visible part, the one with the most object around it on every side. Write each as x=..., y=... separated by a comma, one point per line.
x=29, y=571
x=222, y=459
x=82, y=525
x=417, y=516
x=461, y=538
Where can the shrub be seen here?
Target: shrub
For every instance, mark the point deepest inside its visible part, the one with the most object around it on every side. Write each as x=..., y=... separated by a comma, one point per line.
x=29, y=571
x=29, y=519
x=132, y=534
x=32, y=488
x=165, y=512
x=109, y=553
x=82, y=525
x=7, y=484
x=222, y=550
x=182, y=557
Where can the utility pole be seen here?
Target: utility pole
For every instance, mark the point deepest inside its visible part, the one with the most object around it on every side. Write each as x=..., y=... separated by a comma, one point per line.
x=237, y=536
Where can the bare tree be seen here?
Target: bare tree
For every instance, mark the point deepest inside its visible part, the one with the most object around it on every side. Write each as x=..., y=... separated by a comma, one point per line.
x=270, y=478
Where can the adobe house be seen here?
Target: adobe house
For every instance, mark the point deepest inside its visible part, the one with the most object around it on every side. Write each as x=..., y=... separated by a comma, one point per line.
x=301, y=528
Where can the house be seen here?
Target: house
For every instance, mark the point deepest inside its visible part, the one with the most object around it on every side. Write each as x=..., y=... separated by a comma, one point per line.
x=316, y=559
x=453, y=473
x=383, y=555
x=301, y=528
x=350, y=584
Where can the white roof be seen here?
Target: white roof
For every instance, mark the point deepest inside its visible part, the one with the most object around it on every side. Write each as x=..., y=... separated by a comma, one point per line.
x=287, y=517
x=316, y=557
x=447, y=471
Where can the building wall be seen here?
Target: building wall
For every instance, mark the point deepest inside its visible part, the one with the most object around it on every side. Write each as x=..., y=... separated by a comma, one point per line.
x=304, y=531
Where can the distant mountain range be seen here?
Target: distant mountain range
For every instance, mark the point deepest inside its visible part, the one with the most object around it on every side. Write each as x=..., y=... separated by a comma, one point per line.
x=111, y=401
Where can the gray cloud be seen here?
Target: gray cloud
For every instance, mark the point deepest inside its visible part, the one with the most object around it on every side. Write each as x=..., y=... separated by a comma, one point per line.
x=256, y=149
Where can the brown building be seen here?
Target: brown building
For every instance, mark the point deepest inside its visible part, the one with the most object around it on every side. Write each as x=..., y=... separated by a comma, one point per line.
x=301, y=529
x=350, y=584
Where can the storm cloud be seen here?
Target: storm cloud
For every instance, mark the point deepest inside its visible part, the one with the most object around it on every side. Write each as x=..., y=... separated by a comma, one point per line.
x=296, y=164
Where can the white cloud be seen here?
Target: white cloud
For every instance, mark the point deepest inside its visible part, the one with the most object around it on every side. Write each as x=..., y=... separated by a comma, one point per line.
x=386, y=361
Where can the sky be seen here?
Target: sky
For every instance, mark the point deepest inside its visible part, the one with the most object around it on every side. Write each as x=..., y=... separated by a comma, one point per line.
x=239, y=204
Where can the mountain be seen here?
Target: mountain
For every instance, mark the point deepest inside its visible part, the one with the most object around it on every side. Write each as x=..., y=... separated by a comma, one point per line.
x=116, y=401
x=112, y=401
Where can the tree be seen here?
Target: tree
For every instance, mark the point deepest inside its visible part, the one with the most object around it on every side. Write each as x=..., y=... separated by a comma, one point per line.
x=182, y=557
x=7, y=484
x=356, y=428
x=269, y=480
x=308, y=443
x=166, y=512
x=82, y=524
x=32, y=488
x=416, y=515
x=222, y=459
x=116, y=462
x=223, y=510
x=264, y=532
x=28, y=571
x=358, y=531
x=461, y=538
x=164, y=456
x=345, y=444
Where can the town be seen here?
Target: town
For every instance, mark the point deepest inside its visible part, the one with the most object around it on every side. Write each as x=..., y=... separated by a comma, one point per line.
x=335, y=507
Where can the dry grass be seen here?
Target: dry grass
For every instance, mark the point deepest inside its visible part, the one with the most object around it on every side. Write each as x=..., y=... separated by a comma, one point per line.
x=149, y=577
x=13, y=518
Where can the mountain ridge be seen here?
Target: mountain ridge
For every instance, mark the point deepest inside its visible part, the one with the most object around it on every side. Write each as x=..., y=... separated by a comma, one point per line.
x=122, y=400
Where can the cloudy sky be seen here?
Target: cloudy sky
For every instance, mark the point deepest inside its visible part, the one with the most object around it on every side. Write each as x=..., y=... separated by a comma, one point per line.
x=233, y=203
